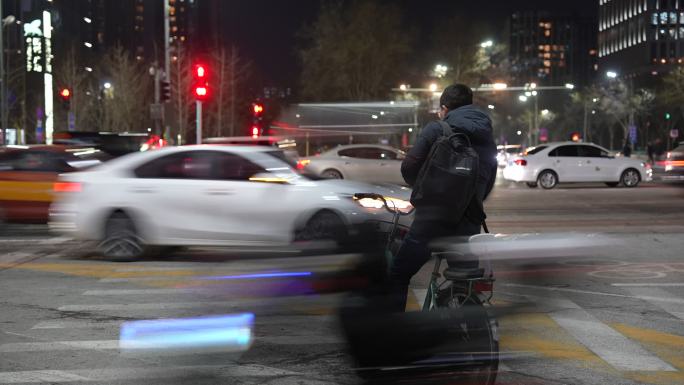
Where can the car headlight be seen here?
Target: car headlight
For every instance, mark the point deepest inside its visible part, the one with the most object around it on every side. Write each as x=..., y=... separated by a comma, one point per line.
x=397, y=203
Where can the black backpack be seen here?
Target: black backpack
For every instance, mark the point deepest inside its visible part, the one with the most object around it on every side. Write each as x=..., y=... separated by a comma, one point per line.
x=448, y=177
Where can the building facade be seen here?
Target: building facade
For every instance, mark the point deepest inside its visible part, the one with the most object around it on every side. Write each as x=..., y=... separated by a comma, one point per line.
x=552, y=49
x=640, y=37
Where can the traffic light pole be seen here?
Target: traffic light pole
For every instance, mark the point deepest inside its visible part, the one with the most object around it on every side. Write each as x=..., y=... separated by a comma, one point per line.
x=198, y=108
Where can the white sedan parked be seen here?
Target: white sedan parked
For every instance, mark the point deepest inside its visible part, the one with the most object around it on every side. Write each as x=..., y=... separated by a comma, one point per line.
x=549, y=164
x=212, y=195
x=363, y=162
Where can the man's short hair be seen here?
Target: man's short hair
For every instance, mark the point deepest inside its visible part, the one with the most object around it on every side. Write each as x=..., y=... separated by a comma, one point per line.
x=456, y=95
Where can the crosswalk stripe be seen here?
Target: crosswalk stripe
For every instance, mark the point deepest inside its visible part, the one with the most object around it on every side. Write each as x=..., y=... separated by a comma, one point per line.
x=146, y=306
x=567, y=290
x=141, y=291
x=611, y=346
x=39, y=376
x=648, y=293
x=139, y=373
x=268, y=320
x=147, y=279
x=649, y=284
x=15, y=347
x=75, y=324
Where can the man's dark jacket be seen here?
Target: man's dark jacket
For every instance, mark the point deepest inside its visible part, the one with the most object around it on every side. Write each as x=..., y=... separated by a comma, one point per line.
x=468, y=120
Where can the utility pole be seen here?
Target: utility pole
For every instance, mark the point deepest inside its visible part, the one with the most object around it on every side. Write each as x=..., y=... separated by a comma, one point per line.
x=585, y=127
x=167, y=60
x=198, y=119
x=3, y=85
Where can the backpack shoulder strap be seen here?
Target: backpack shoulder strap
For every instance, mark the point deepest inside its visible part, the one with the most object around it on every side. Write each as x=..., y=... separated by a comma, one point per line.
x=446, y=128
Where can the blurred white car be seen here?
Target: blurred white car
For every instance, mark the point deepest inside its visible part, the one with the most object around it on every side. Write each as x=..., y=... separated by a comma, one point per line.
x=549, y=164
x=212, y=195
x=363, y=162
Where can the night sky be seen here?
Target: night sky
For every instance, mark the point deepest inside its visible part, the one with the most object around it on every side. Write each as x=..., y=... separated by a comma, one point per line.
x=266, y=30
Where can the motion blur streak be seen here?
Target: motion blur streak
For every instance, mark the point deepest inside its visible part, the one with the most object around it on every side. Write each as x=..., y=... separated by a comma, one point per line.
x=261, y=275
x=227, y=333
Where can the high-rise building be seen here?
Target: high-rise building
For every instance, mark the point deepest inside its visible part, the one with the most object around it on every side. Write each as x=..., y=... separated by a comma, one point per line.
x=552, y=49
x=94, y=26
x=640, y=37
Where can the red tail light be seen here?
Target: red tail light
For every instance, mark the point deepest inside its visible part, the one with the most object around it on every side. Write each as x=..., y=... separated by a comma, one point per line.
x=302, y=163
x=520, y=162
x=61, y=187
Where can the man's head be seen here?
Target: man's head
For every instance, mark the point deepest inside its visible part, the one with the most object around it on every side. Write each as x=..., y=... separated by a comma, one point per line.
x=454, y=96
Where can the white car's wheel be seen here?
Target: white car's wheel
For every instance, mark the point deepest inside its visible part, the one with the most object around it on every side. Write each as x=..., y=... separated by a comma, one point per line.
x=325, y=228
x=121, y=241
x=547, y=179
x=332, y=174
x=630, y=178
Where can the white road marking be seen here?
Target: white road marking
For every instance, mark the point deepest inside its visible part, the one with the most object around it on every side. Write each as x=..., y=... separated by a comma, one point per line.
x=141, y=291
x=562, y=289
x=266, y=320
x=144, y=279
x=13, y=257
x=76, y=324
x=151, y=268
x=646, y=293
x=40, y=376
x=147, y=306
x=58, y=345
x=611, y=346
x=123, y=374
x=301, y=340
x=668, y=284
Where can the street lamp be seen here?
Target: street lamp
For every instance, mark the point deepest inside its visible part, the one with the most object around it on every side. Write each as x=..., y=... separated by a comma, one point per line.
x=569, y=86
x=499, y=86
x=545, y=112
x=491, y=106
x=522, y=98
x=403, y=87
x=487, y=44
x=107, y=85
x=440, y=70
x=611, y=74
x=433, y=87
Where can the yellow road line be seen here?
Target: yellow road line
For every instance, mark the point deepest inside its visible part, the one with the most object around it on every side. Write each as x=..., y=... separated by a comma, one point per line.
x=669, y=347
x=539, y=333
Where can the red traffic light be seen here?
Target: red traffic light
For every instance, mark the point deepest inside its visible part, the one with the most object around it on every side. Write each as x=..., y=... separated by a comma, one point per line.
x=258, y=109
x=65, y=93
x=200, y=71
x=201, y=92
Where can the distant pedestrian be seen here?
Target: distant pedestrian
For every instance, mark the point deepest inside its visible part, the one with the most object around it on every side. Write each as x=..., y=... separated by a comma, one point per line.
x=650, y=150
x=627, y=149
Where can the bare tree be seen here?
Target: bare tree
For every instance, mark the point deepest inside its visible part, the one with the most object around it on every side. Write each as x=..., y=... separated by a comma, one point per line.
x=230, y=72
x=125, y=105
x=467, y=61
x=83, y=100
x=182, y=100
x=354, y=51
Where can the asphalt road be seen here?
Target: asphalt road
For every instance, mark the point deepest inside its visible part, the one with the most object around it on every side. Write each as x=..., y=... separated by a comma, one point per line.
x=601, y=315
